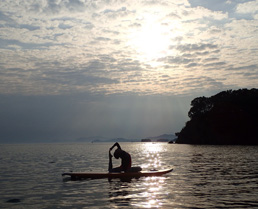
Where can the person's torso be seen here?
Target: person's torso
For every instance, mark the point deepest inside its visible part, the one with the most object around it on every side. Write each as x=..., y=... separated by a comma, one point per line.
x=126, y=158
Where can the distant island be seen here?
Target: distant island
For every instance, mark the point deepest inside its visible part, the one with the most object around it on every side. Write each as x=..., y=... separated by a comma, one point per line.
x=227, y=118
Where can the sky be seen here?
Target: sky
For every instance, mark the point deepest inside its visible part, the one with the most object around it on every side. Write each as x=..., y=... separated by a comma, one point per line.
x=123, y=68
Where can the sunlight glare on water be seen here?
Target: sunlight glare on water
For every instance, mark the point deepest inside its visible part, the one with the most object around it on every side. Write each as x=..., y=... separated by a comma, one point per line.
x=151, y=191
x=152, y=153
x=153, y=147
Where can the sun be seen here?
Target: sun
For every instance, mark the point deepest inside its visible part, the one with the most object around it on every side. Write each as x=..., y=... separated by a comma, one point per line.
x=151, y=40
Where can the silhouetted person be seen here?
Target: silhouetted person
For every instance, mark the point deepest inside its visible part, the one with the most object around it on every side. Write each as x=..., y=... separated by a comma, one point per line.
x=126, y=161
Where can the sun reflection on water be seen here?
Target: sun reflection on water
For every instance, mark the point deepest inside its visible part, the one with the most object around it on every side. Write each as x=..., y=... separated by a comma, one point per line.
x=153, y=189
x=146, y=192
x=153, y=147
x=152, y=153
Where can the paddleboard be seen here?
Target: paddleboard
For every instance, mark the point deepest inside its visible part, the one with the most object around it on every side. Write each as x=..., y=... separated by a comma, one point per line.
x=92, y=175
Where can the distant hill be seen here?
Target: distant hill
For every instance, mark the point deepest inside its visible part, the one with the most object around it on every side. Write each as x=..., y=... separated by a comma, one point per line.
x=104, y=139
x=161, y=138
x=122, y=140
x=229, y=117
x=91, y=139
x=164, y=136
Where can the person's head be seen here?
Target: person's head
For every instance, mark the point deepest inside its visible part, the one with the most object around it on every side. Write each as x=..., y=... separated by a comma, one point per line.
x=117, y=153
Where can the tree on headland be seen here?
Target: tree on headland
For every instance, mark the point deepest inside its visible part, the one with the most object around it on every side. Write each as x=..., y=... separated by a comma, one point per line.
x=229, y=117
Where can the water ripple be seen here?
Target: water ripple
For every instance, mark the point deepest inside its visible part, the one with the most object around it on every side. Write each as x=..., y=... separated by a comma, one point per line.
x=203, y=177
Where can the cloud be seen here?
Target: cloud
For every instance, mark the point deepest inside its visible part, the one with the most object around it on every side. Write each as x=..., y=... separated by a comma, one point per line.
x=6, y=43
x=219, y=5
x=194, y=55
x=68, y=77
x=119, y=13
x=215, y=64
x=177, y=60
x=195, y=47
x=86, y=46
x=250, y=7
x=247, y=68
x=200, y=82
x=64, y=26
x=56, y=7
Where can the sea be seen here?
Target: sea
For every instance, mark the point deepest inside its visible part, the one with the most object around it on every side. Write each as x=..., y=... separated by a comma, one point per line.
x=202, y=177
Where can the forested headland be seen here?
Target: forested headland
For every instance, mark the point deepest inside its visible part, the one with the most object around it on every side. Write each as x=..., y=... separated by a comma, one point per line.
x=229, y=117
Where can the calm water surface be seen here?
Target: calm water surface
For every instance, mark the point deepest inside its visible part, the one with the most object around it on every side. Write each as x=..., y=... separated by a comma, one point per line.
x=203, y=176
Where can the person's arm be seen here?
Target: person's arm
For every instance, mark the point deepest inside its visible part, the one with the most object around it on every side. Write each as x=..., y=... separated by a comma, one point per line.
x=116, y=144
x=110, y=165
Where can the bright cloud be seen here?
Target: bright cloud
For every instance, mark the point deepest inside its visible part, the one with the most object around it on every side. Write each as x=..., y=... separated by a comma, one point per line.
x=248, y=7
x=142, y=47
